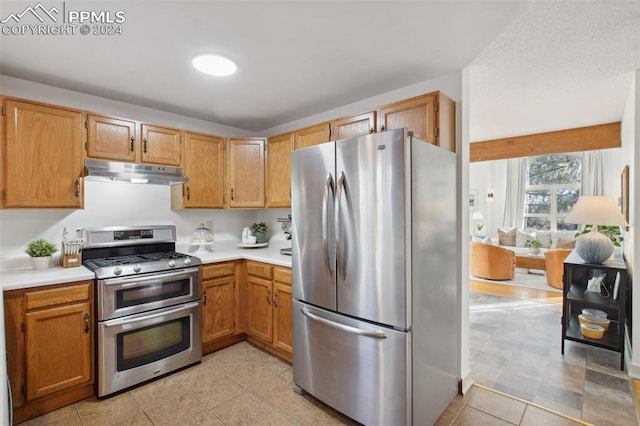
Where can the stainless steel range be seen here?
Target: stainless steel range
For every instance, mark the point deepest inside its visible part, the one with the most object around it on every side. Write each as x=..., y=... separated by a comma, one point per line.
x=147, y=302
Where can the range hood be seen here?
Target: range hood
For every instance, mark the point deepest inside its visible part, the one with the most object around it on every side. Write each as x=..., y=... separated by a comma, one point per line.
x=113, y=171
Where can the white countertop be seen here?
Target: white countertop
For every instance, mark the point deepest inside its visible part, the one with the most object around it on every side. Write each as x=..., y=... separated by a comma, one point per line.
x=23, y=276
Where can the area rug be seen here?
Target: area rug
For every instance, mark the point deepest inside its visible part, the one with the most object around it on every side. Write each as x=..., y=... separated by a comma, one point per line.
x=535, y=280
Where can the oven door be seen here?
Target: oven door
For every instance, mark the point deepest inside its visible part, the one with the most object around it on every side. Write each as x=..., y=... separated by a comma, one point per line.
x=122, y=296
x=140, y=347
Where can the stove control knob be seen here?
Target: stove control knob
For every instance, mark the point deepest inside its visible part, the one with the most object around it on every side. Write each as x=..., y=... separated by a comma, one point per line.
x=117, y=270
x=172, y=263
x=187, y=261
x=137, y=268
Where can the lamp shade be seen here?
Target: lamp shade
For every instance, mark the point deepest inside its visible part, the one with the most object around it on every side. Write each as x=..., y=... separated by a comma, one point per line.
x=477, y=215
x=594, y=247
x=596, y=210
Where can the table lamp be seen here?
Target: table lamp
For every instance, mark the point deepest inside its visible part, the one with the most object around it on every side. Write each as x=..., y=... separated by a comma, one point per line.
x=595, y=247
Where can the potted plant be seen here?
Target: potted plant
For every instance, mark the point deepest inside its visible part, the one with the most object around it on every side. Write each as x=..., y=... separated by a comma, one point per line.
x=534, y=246
x=40, y=252
x=259, y=230
x=478, y=230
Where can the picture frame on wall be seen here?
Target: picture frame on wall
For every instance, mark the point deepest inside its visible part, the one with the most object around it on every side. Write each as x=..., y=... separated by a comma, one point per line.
x=473, y=199
x=624, y=194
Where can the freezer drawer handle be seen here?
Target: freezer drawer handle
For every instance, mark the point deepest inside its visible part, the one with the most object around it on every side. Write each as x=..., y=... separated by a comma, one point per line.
x=347, y=328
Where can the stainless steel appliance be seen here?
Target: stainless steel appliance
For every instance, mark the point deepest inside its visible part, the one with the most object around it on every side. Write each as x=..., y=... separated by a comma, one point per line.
x=286, y=228
x=374, y=277
x=147, y=303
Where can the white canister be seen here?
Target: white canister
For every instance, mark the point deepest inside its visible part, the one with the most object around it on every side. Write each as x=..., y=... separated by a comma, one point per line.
x=246, y=234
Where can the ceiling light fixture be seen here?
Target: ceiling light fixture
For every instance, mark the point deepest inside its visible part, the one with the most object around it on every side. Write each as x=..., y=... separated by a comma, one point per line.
x=216, y=65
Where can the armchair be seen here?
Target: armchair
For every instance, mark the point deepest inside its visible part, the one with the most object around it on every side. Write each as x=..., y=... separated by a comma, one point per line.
x=492, y=262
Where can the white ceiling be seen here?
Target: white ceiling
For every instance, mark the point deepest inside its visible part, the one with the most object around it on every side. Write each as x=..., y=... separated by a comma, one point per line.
x=533, y=63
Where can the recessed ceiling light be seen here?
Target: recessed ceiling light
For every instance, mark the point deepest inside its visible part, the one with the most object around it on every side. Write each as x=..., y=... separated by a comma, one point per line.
x=214, y=65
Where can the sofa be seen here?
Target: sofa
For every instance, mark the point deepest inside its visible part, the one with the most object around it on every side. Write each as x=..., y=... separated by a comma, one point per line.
x=491, y=262
x=515, y=239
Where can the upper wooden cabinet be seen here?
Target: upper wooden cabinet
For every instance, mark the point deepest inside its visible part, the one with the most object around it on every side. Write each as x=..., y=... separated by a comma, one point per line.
x=161, y=145
x=204, y=166
x=313, y=135
x=279, y=170
x=246, y=173
x=354, y=125
x=42, y=155
x=430, y=117
x=111, y=139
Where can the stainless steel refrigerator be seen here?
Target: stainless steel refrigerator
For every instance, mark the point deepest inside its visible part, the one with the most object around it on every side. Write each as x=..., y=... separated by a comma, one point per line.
x=375, y=312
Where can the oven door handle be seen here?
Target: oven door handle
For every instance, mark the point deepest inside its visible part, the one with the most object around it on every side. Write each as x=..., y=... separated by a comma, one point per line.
x=155, y=314
x=185, y=273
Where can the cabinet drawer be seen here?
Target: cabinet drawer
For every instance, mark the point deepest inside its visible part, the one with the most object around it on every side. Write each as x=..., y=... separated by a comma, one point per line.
x=217, y=270
x=58, y=296
x=282, y=275
x=260, y=270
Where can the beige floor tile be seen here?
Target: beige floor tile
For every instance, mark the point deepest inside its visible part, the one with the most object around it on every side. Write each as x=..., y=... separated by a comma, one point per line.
x=275, y=390
x=193, y=376
x=241, y=409
x=139, y=419
x=252, y=373
x=214, y=393
x=186, y=410
x=302, y=411
x=534, y=416
x=497, y=405
x=469, y=416
x=57, y=417
x=161, y=391
x=455, y=407
x=114, y=409
x=272, y=418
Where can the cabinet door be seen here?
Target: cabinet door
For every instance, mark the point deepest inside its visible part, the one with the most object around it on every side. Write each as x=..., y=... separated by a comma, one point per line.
x=58, y=348
x=43, y=160
x=204, y=166
x=282, y=309
x=246, y=173
x=217, y=308
x=279, y=170
x=355, y=125
x=111, y=138
x=161, y=145
x=314, y=135
x=416, y=114
x=259, y=307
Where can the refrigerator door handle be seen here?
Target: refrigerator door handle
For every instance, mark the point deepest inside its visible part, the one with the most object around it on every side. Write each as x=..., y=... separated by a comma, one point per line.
x=328, y=186
x=340, y=260
x=343, y=327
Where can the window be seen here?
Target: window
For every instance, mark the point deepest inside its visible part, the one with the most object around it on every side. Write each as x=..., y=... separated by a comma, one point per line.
x=552, y=188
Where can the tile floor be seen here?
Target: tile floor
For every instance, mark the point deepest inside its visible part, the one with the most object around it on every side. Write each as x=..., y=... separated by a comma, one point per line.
x=244, y=385
x=515, y=349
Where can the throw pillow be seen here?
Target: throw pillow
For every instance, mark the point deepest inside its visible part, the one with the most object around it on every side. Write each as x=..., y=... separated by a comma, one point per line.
x=544, y=237
x=523, y=236
x=565, y=243
x=507, y=236
x=565, y=235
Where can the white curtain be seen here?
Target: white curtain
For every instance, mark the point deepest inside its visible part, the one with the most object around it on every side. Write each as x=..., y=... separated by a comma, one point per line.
x=592, y=173
x=514, y=193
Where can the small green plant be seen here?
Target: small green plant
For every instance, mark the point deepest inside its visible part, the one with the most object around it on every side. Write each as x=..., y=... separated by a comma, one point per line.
x=613, y=232
x=259, y=228
x=533, y=244
x=41, y=248
x=479, y=228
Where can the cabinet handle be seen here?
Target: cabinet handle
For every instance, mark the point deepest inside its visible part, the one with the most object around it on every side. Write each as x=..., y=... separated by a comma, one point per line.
x=188, y=193
x=268, y=296
x=144, y=145
x=76, y=193
x=86, y=323
x=275, y=298
x=231, y=194
x=132, y=147
x=204, y=298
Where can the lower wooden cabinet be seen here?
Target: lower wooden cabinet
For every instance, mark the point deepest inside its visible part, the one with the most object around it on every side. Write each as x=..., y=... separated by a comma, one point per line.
x=268, y=308
x=50, y=346
x=219, y=306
